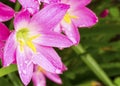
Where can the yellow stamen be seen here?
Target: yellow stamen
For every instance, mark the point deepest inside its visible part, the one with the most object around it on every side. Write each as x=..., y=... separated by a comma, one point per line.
x=67, y=18
x=34, y=37
x=21, y=44
x=24, y=38
x=31, y=45
x=41, y=69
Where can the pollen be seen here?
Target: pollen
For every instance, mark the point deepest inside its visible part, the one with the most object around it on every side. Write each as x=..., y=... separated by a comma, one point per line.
x=25, y=39
x=40, y=69
x=67, y=18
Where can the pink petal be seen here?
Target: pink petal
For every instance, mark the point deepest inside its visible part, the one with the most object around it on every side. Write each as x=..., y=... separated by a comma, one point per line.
x=53, y=39
x=25, y=66
x=4, y=32
x=71, y=31
x=6, y=12
x=50, y=1
x=31, y=5
x=49, y=16
x=51, y=55
x=13, y=1
x=77, y=3
x=9, y=50
x=54, y=77
x=58, y=28
x=42, y=60
x=21, y=20
x=85, y=17
x=1, y=48
x=38, y=79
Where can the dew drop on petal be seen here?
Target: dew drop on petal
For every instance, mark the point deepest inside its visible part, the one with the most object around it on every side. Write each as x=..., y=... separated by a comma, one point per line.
x=58, y=71
x=19, y=72
x=21, y=64
x=24, y=72
x=26, y=62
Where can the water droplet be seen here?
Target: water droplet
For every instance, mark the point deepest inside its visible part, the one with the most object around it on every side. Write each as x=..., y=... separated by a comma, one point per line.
x=83, y=25
x=26, y=62
x=58, y=71
x=7, y=64
x=21, y=64
x=19, y=72
x=24, y=72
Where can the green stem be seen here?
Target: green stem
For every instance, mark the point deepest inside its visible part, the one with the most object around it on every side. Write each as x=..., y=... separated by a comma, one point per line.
x=14, y=79
x=93, y=65
x=7, y=70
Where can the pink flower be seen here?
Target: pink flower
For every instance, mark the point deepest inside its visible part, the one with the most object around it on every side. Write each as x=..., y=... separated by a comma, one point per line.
x=4, y=33
x=6, y=12
x=39, y=77
x=32, y=41
x=31, y=5
x=78, y=15
x=49, y=1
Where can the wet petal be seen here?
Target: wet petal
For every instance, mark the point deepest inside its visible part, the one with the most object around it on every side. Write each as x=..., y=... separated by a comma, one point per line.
x=52, y=56
x=6, y=12
x=49, y=16
x=25, y=66
x=85, y=17
x=50, y=1
x=42, y=60
x=1, y=48
x=53, y=39
x=4, y=32
x=77, y=3
x=54, y=77
x=9, y=50
x=21, y=20
x=31, y=5
x=71, y=31
x=38, y=79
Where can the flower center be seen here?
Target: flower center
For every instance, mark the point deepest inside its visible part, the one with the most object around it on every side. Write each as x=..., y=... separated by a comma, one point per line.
x=24, y=38
x=67, y=18
x=40, y=69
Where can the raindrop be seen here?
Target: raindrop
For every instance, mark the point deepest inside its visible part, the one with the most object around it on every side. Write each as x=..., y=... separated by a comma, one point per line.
x=24, y=72
x=19, y=72
x=26, y=62
x=21, y=64
x=58, y=71
x=7, y=64
x=83, y=25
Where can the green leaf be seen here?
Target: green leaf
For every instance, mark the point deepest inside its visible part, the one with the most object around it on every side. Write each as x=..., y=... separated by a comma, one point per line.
x=117, y=81
x=7, y=70
x=114, y=11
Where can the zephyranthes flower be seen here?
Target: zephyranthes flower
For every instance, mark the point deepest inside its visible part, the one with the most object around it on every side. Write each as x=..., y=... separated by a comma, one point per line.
x=32, y=40
x=39, y=77
x=31, y=5
x=78, y=15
